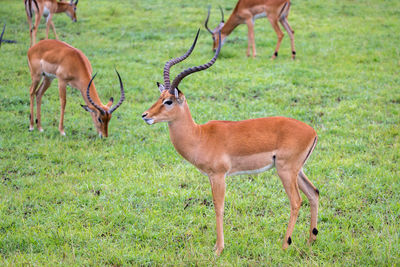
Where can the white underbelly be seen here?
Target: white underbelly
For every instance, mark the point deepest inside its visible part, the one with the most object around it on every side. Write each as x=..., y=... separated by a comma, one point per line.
x=259, y=15
x=263, y=169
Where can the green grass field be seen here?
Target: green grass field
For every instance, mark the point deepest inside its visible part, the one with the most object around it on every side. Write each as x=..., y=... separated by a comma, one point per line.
x=132, y=199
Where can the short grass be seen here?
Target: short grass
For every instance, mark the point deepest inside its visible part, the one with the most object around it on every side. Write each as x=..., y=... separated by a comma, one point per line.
x=132, y=200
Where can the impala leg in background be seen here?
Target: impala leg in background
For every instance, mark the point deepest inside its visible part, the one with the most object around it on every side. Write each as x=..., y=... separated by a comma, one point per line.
x=312, y=194
x=274, y=22
x=251, y=41
x=48, y=22
x=62, y=88
x=218, y=192
x=30, y=26
x=290, y=31
x=32, y=93
x=39, y=94
x=289, y=180
x=54, y=29
x=35, y=27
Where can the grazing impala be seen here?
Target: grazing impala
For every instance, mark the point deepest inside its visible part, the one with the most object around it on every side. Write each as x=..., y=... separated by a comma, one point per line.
x=223, y=148
x=246, y=11
x=47, y=8
x=49, y=59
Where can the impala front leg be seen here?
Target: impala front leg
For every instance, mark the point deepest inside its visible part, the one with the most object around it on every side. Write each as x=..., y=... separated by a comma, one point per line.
x=218, y=191
x=62, y=87
x=251, y=42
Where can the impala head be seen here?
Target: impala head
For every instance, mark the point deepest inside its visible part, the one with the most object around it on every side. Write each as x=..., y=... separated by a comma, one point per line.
x=101, y=114
x=214, y=33
x=71, y=10
x=172, y=102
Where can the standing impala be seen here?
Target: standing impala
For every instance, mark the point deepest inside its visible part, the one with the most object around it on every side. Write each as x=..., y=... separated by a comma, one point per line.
x=47, y=8
x=49, y=59
x=223, y=148
x=246, y=11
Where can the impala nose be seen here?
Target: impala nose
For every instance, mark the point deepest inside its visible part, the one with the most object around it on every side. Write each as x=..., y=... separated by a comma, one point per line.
x=144, y=115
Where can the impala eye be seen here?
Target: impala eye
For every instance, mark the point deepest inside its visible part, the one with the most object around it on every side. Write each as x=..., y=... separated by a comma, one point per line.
x=99, y=119
x=167, y=102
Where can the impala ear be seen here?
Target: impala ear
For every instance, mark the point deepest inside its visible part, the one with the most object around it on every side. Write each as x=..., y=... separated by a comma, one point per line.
x=87, y=108
x=76, y=2
x=110, y=102
x=160, y=87
x=178, y=98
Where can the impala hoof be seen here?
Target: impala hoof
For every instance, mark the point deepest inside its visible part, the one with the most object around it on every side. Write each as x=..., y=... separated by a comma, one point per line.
x=31, y=128
x=41, y=130
x=62, y=133
x=218, y=250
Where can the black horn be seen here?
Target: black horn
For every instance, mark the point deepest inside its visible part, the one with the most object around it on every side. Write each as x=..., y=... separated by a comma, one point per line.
x=206, y=21
x=90, y=99
x=122, y=94
x=2, y=33
x=222, y=13
x=174, y=61
x=189, y=71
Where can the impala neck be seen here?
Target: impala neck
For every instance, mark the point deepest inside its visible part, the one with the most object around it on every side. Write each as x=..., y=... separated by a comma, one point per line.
x=62, y=7
x=185, y=133
x=230, y=25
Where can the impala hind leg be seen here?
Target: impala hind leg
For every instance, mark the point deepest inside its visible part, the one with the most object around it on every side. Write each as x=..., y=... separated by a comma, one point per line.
x=218, y=192
x=54, y=29
x=274, y=22
x=32, y=93
x=290, y=31
x=312, y=194
x=289, y=181
x=35, y=27
x=29, y=18
x=62, y=88
x=39, y=94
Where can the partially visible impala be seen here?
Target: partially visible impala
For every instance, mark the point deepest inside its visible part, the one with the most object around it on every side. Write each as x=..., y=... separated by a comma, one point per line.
x=49, y=59
x=47, y=8
x=223, y=148
x=247, y=11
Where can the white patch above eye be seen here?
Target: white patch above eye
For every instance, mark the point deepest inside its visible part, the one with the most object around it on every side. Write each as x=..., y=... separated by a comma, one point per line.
x=168, y=100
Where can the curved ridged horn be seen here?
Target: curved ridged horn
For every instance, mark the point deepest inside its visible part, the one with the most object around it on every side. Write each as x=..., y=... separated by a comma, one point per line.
x=102, y=111
x=2, y=33
x=174, y=61
x=206, y=21
x=122, y=94
x=188, y=71
x=222, y=14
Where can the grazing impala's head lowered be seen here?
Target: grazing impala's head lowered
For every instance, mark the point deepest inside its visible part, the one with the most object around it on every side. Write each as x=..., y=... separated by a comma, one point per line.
x=101, y=115
x=71, y=10
x=172, y=101
x=215, y=32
